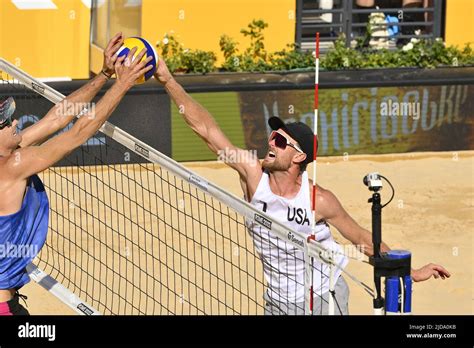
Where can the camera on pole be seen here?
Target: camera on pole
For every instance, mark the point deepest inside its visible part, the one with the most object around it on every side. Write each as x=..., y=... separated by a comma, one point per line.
x=394, y=265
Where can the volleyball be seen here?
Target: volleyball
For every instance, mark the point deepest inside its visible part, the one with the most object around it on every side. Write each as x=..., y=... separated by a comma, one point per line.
x=140, y=43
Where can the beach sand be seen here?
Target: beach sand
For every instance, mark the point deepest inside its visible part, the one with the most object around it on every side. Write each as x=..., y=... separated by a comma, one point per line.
x=432, y=215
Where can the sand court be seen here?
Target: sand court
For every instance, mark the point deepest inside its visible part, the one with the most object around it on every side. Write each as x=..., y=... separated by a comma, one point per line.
x=216, y=270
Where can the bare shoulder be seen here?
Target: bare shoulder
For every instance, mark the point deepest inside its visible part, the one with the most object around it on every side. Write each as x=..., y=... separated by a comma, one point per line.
x=322, y=194
x=11, y=165
x=12, y=188
x=250, y=182
x=5, y=168
x=327, y=204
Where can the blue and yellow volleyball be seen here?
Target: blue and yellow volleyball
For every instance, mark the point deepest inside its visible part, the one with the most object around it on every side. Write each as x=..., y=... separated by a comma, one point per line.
x=140, y=43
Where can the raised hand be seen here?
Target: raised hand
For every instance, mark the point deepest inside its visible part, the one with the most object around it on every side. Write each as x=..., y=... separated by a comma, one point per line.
x=129, y=69
x=162, y=73
x=425, y=272
x=110, y=56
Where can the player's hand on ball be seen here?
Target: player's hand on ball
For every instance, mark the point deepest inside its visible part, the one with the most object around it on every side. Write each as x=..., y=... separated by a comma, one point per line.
x=110, y=56
x=162, y=73
x=129, y=70
x=425, y=272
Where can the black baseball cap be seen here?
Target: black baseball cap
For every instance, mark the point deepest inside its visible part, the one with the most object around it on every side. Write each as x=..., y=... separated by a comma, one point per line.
x=7, y=108
x=299, y=131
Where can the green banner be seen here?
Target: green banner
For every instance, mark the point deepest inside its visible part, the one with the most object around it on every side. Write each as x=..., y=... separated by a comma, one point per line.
x=224, y=107
x=355, y=121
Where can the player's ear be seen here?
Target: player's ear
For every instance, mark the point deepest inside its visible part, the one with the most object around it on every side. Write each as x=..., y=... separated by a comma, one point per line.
x=299, y=157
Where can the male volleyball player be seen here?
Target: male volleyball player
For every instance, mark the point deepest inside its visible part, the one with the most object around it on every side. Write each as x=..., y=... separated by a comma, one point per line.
x=280, y=187
x=24, y=206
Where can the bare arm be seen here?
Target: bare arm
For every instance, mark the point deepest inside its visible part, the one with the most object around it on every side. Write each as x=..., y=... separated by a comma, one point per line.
x=204, y=125
x=333, y=212
x=33, y=159
x=64, y=112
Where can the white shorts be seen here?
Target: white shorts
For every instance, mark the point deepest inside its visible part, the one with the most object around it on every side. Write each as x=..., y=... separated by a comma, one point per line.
x=321, y=304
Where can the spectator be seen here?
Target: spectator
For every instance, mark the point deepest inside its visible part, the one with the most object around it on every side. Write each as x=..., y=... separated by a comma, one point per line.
x=406, y=17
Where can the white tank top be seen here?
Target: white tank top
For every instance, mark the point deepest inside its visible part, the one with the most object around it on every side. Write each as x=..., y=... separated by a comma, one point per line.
x=283, y=264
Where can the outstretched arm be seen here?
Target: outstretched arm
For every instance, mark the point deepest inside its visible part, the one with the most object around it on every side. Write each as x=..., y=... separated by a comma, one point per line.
x=333, y=212
x=204, y=125
x=25, y=162
x=64, y=112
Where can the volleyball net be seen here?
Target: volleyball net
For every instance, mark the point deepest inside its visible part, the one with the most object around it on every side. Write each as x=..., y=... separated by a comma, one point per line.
x=151, y=237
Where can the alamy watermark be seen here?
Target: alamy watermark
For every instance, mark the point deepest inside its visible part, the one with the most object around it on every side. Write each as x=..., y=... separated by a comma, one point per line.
x=356, y=252
x=79, y=109
x=400, y=109
x=28, y=330
x=21, y=251
x=234, y=156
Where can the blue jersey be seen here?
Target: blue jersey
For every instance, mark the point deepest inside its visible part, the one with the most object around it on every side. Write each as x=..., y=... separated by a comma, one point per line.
x=22, y=235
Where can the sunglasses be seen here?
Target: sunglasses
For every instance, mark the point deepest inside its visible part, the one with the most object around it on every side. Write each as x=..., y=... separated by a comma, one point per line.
x=282, y=142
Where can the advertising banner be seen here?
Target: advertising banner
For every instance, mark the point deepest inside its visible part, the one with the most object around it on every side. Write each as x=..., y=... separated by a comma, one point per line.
x=368, y=120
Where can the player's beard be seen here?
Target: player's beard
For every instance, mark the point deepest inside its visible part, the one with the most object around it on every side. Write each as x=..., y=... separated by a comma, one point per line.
x=278, y=164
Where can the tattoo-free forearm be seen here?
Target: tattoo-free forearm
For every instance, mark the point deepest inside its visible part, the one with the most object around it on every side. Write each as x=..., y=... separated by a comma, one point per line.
x=195, y=115
x=367, y=245
x=70, y=107
x=89, y=124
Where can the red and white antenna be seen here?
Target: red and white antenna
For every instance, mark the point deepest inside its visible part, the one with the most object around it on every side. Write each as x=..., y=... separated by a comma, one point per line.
x=315, y=151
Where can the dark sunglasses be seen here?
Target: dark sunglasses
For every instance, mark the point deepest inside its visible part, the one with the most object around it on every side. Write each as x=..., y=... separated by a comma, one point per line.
x=282, y=142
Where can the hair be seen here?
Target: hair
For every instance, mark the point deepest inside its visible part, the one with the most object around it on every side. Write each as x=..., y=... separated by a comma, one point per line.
x=303, y=166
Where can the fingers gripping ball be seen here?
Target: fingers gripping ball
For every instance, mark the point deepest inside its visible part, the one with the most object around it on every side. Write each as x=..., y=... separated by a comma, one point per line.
x=139, y=43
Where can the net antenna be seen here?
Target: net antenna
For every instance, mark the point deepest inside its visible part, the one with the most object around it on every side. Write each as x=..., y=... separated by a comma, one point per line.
x=313, y=236
x=193, y=255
